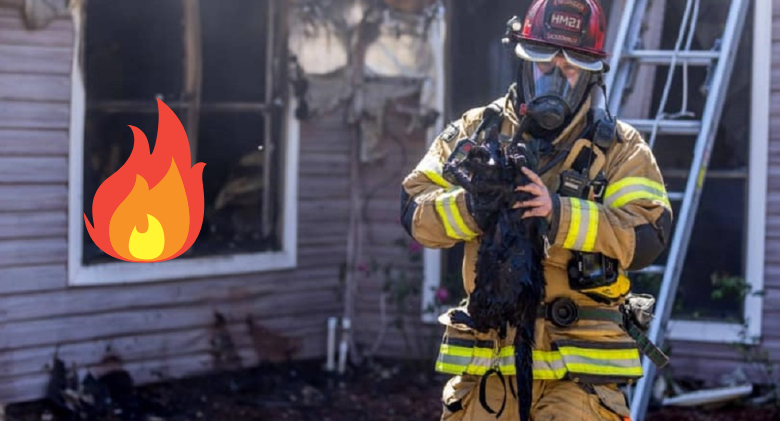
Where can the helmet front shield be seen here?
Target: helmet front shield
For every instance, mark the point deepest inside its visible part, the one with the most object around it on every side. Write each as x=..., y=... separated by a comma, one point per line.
x=541, y=53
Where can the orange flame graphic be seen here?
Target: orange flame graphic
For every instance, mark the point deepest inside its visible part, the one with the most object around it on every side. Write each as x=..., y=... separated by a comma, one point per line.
x=151, y=209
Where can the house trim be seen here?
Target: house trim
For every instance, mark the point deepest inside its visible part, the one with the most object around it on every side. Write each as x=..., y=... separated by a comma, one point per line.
x=432, y=257
x=126, y=272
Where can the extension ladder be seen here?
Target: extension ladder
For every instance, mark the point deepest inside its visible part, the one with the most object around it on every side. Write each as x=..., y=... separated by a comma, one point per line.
x=720, y=60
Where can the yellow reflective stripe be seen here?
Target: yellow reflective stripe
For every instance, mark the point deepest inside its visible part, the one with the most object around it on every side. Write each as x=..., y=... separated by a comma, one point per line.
x=457, y=351
x=550, y=373
x=634, y=188
x=547, y=365
x=593, y=226
x=574, y=224
x=600, y=354
x=583, y=225
x=454, y=225
x=433, y=170
x=463, y=351
x=489, y=353
x=459, y=220
x=449, y=368
x=637, y=195
x=436, y=178
x=546, y=356
x=612, y=362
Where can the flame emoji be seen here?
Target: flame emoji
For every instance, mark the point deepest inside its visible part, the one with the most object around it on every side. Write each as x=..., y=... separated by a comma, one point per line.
x=151, y=209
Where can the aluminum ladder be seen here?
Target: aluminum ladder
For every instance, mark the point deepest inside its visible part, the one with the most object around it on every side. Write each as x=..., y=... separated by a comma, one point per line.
x=720, y=60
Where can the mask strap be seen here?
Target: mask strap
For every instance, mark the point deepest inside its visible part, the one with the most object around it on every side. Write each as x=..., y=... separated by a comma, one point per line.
x=600, y=82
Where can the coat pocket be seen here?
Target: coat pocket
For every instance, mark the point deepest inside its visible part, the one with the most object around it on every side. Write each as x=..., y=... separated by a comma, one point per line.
x=465, y=351
x=610, y=401
x=456, y=397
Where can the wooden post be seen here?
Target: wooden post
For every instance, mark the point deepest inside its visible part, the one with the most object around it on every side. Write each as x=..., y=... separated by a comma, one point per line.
x=193, y=72
x=269, y=146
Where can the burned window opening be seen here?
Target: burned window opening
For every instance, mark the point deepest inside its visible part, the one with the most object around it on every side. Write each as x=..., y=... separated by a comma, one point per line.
x=219, y=68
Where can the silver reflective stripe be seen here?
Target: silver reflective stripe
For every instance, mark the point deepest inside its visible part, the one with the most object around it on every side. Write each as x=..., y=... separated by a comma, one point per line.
x=633, y=188
x=447, y=203
x=582, y=233
x=617, y=363
x=454, y=360
x=555, y=365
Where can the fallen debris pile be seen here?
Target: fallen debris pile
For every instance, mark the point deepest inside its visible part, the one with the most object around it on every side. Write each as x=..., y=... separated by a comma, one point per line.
x=300, y=391
x=297, y=392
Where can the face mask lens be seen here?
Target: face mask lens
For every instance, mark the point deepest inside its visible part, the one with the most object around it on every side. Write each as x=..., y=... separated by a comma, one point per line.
x=535, y=52
x=556, y=78
x=583, y=61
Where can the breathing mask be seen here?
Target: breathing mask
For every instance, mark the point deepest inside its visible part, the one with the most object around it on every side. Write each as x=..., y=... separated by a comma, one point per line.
x=554, y=92
x=555, y=83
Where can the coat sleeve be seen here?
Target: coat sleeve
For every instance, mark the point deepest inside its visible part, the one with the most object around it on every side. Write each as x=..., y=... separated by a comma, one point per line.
x=433, y=211
x=634, y=222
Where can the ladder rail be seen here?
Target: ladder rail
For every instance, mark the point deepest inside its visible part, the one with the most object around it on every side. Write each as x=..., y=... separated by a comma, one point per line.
x=693, y=190
x=691, y=6
x=614, y=81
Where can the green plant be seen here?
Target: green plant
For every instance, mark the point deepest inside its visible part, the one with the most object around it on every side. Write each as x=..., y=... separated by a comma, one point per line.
x=758, y=358
x=751, y=352
x=725, y=286
x=402, y=278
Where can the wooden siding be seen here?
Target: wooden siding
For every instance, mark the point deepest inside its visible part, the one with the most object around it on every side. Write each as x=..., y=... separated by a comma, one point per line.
x=380, y=184
x=155, y=329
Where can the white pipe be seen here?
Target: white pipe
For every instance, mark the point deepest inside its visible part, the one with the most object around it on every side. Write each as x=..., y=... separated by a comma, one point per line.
x=330, y=365
x=710, y=396
x=344, y=345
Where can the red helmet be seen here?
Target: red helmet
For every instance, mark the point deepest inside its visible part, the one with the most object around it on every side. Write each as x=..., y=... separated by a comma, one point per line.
x=578, y=26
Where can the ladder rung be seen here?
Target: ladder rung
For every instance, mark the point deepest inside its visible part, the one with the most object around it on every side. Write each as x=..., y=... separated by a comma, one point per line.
x=652, y=270
x=735, y=174
x=682, y=127
x=675, y=195
x=661, y=57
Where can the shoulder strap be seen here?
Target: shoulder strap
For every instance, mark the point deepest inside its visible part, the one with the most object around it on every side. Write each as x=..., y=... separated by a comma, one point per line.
x=602, y=130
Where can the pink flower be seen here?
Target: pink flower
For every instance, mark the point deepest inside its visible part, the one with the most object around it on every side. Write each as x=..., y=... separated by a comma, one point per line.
x=442, y=295
x=415, y=247
x=362, y=267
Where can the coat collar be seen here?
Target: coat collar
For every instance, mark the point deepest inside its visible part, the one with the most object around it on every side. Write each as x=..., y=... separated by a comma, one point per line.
x=568, y=134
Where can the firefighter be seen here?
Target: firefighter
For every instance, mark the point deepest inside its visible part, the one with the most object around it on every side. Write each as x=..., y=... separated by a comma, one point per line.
x=600, y=190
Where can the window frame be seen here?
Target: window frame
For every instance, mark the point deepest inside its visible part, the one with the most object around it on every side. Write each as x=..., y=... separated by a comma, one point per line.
x=127, y=272
x=758, y=172
x=710, y=331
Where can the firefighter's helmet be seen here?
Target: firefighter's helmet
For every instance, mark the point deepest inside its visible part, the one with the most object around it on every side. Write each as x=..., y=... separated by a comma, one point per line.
x=575, y=28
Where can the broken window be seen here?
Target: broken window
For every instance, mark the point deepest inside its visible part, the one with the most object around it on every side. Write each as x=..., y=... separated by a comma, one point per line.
x=218, y=66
